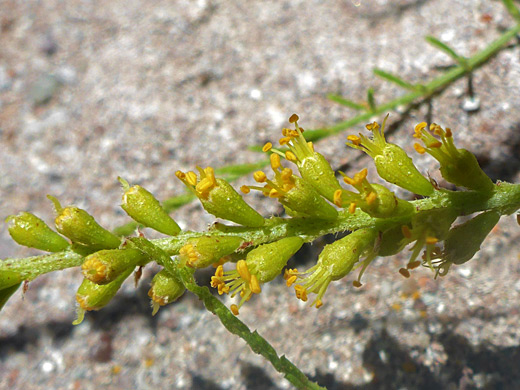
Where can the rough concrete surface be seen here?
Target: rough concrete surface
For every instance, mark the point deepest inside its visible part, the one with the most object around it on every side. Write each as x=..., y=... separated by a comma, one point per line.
x=92, y=90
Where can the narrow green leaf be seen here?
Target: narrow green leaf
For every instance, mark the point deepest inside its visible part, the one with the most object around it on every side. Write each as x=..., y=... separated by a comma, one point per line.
x=394, y=79
x=345, y=102
x=512, y=9
x=371, y=100
x=6, y=293
x=447, y=50
x=233, y=172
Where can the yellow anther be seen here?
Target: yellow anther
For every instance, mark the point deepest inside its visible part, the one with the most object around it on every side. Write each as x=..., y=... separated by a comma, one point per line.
x=319, y=303
x=371, y=198
x=354, y=139
x=432, y=240
x=419, y=148
x=285, y=140
x=222, y=289
x=245, y=189
x=374, y=126
x=95, y=269
x=448, y=132
x=310, y=144
x=301, y=292
x=191, y=178
x=348, y=180
x=243, y=271
x=287, y=174
x=416, y=295
x=362, y=174
x=180, y=175
x=275, y=193
x=259, y=177
x=234, y=309
x=420, y=126
x=275, y=161
x=352, y=208
x=290, y=156
x=413, y=264
x=433, y=126
x=404, y=272
x=219, y=272
x=289, y=272
x=406, y=231
x=294, y=118
x=356, y=283
x=290, y=280
x=337, y=197
x=267, y=147
x=437, y=144
x=204, y=185
x=254, y=285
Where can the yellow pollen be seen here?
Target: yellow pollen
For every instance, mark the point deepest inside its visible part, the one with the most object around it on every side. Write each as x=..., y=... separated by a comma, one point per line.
x=406, y=231
x=419, y=149
x=349, y=180
x=294, y=118
x=319, y=303
x=234, y=309
x=285, y=132
x=191, y=178
x=259, y=177
x=180, y=175
x=290, y=280
x=204, y=185
x=337, y=197
x=287, y=174
x=267, y=147
x=254, y=285
x=310, y=144
x=301, y=292
x=352, y=208
x=284, y=140
x=243, y=271
x=432, y=240
x=245, y=189
x=95, y=269
x=371, y=198
x=356, y=283
x=354, y=139
x=275, y=161
x=420, y=126
x=290, y=156
x=219, y=272
x=404, y=272
x=275, y=194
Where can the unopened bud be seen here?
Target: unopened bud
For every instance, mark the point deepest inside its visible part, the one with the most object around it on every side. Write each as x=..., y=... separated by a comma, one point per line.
x=200, y=252
x=106, y=265
x=165, y=289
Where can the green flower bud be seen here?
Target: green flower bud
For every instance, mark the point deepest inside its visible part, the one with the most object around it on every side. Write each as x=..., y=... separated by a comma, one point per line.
x=316, y=170
x=9, y=278
x=304, y=201
x=262, y=265
x=335, y=262
x=391, y=161
x=219, y=198
x=165, y=289
x=6, y=293
x=458, y=166
x=29, y=230
x=200, y=252
x=80, y=227
x=93, y=296
x=463, y=241
x=145, y=209
x=106, y=265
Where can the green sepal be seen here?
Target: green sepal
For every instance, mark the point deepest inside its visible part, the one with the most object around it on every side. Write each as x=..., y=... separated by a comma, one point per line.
x=145, y=209
x=304, y=201
x=106, y=265
x=92, y=296
x=338, y=259
x=267, y=260
x=29, y=230
x=463, y=169
x=6, y=293
x=224, y=202
x=464, y=240
x=166, y=288
x=396, y=167
x=384, y=205
x=316, y=170
x=200, y=252
x=80, y=227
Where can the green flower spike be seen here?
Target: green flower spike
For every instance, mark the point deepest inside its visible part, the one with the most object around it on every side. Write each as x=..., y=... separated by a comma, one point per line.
x=29, y=230
x=391, y=161
x=106, y=265
x=298, y=197
x=165, y=289
x=261, y=265
x=335, y=262
x=313, y=167
x=92, y=296
x=145, y=209
x=81, y=228
x=200, y=252
x=219, y=198
x=458, y=166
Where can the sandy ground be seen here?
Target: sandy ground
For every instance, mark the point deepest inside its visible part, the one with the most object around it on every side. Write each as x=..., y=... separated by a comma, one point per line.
x=92, y=90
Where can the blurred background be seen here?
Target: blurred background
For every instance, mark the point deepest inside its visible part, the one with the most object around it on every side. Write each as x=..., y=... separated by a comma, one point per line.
x=92, y=90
